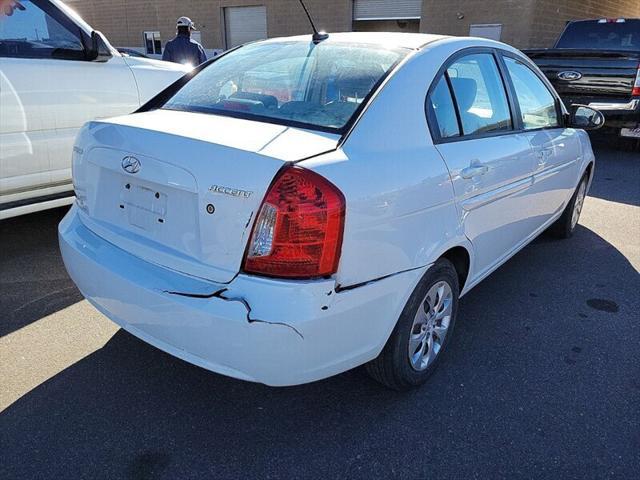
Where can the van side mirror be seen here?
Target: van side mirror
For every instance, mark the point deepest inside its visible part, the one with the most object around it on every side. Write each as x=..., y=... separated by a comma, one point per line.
x=586, y=118
x=98, y=50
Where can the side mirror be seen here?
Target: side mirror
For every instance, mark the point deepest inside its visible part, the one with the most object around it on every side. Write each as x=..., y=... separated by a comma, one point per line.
x=98, y=50
x=586, y=118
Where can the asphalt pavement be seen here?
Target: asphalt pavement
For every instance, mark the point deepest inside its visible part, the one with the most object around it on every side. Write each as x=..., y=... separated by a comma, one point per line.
x=542, y=379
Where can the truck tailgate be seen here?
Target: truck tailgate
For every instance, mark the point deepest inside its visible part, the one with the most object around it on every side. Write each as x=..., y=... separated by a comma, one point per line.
x=602, y=73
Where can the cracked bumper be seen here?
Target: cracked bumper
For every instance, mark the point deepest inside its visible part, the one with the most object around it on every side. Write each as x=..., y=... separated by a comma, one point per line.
x=292, y=332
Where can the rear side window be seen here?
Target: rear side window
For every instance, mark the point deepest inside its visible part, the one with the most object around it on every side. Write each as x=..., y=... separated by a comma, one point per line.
x=537, y=104
x=443, y=109
x=480, y=95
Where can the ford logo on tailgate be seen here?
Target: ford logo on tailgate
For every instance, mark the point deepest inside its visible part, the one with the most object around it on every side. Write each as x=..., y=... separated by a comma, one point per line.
x=131, y=164
x=570, y=75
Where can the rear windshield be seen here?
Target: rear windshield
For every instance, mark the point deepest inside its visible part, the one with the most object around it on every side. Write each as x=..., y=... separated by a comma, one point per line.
x=605, y=35
x=293, y=83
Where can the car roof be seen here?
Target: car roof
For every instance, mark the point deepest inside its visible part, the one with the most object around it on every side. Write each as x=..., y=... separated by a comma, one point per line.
x=387, y=39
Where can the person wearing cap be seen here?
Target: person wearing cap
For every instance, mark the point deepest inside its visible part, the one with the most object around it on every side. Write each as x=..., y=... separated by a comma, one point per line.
x=183, y=49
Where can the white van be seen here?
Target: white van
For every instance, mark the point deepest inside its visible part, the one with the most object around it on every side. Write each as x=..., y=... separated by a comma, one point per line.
x=57, y=73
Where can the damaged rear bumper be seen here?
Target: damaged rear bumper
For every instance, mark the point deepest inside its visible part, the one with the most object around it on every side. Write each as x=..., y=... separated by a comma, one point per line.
x=263, y=330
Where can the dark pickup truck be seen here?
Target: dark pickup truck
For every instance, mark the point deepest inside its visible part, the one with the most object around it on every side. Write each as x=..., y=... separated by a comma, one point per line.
x=597, y=63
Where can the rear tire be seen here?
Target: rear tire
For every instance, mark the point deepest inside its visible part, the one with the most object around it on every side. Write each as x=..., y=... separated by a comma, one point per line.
x=566, y=225
x=422, y=333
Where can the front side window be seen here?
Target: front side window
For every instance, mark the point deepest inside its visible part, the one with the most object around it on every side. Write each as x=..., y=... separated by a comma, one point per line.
x=316, y=86
x=537, y=104
x=28, y=31
x=480, y=94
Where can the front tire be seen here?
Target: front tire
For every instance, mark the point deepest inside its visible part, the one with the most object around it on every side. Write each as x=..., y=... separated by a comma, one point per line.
x=422, y=333
x=566, y=225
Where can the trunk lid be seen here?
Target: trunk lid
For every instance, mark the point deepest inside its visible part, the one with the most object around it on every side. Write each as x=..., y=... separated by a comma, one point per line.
x=603, y=73
x=182, y=189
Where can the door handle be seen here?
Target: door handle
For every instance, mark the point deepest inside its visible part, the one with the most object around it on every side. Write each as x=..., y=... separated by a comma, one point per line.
x=543, y=157
x=474, y=171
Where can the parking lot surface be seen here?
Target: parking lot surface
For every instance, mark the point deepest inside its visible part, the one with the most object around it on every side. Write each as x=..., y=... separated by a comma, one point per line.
x=542, y=379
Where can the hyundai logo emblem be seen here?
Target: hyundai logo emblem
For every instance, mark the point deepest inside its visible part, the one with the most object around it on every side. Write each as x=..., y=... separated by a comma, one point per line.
x=131, y=164
x=570, y=75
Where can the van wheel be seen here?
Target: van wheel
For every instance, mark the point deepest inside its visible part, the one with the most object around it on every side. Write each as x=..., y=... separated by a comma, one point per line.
x=566, y=224
x=422, y=333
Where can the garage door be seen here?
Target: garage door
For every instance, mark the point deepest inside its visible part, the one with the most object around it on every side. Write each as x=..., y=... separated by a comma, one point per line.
x=386, y=9
x=244, y=24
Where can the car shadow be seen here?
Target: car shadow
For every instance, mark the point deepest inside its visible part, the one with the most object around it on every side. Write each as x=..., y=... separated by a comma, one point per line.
x=514, y=373
x=33, y=280
x=617, y=174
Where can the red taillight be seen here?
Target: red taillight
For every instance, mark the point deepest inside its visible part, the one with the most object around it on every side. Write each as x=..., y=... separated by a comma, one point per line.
x=298, y=231
x=636, y=86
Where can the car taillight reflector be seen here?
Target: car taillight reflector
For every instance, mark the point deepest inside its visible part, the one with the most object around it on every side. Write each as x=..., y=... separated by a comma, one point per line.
x=636, y=86
x=298, y=232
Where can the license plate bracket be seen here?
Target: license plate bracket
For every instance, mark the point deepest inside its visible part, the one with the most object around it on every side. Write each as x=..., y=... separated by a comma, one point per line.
x=145, y=207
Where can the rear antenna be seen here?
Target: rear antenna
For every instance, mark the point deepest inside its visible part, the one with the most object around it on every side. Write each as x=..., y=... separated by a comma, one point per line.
x=317, y=36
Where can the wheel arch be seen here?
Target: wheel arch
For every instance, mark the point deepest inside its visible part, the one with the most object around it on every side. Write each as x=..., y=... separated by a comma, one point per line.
x=589, y=170
x=460, y=257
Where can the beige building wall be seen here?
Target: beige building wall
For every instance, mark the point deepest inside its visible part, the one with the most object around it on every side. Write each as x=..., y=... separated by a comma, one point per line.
x=525, y=23
x=454, y=17
x=123, y=21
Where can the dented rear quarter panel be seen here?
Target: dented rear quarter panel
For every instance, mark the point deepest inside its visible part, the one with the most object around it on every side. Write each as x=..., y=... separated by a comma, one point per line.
x=401, y=212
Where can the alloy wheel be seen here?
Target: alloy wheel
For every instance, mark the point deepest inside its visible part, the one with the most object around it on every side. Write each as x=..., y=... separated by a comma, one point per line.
x=577, y=207
x=430, y=326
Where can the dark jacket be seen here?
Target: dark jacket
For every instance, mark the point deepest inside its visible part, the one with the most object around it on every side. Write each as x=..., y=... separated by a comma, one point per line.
x=183, y=49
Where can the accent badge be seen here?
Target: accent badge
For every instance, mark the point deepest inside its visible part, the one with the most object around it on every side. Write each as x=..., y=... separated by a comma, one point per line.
x=233, y=192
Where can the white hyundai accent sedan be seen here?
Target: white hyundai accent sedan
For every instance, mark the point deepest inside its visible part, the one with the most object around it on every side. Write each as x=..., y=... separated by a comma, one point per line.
x=295, y=209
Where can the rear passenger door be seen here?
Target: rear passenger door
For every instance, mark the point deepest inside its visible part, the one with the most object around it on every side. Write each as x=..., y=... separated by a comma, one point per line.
x=555, y=147
x=491, y=164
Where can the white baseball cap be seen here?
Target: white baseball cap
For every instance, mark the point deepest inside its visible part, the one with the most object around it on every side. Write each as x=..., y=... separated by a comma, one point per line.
x=185, y=22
